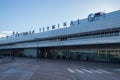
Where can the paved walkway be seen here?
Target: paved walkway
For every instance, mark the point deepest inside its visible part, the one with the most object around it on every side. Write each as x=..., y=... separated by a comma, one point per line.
x=48, y=69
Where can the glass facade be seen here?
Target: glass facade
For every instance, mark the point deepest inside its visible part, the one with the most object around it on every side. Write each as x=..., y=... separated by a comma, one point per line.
x=9, y=52
x=108, y=55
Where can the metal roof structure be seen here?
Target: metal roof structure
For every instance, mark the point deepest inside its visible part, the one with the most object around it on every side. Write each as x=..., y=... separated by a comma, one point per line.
x=96, y=23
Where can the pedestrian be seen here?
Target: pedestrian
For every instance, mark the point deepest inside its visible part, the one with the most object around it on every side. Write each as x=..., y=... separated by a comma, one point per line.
x=12, y=58
x=78, y=57
x=87, y=58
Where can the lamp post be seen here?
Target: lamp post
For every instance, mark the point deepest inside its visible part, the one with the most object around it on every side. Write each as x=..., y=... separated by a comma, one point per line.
x=37, y=47
x=11, y=53
x=10, y=50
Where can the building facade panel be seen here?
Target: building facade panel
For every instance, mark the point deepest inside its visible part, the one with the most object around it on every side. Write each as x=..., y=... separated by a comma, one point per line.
x=95, y=39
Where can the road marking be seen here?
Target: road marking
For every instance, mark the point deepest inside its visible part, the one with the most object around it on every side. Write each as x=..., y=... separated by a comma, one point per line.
x=96, y=71
x=80, y=71
x=30, y=76
x=116, y=69
x=70, y=70
x=87, y=70
x=99, y=71
x=105, y=71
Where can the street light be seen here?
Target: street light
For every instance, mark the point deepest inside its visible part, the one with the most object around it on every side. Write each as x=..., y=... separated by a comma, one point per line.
x=11, y=52
x=37, y=46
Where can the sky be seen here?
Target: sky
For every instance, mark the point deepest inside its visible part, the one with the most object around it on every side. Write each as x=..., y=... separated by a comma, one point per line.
x=26, y=15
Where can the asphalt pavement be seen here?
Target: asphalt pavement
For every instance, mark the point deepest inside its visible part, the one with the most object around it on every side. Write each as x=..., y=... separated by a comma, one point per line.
x=53, y=69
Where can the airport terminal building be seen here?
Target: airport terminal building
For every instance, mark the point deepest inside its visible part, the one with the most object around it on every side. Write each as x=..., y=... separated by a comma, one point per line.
x=95, y=38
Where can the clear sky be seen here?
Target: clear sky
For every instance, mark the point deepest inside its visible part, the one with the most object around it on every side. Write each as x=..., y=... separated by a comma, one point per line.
x=25, y=15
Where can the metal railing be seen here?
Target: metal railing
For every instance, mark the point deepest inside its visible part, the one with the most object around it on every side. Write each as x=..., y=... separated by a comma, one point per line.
x=6, y=59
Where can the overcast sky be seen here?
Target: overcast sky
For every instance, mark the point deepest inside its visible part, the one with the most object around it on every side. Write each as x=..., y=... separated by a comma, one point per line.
x=25, y=15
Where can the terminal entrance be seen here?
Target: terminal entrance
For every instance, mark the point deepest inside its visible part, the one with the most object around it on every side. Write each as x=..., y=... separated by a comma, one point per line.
x=109, y=55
